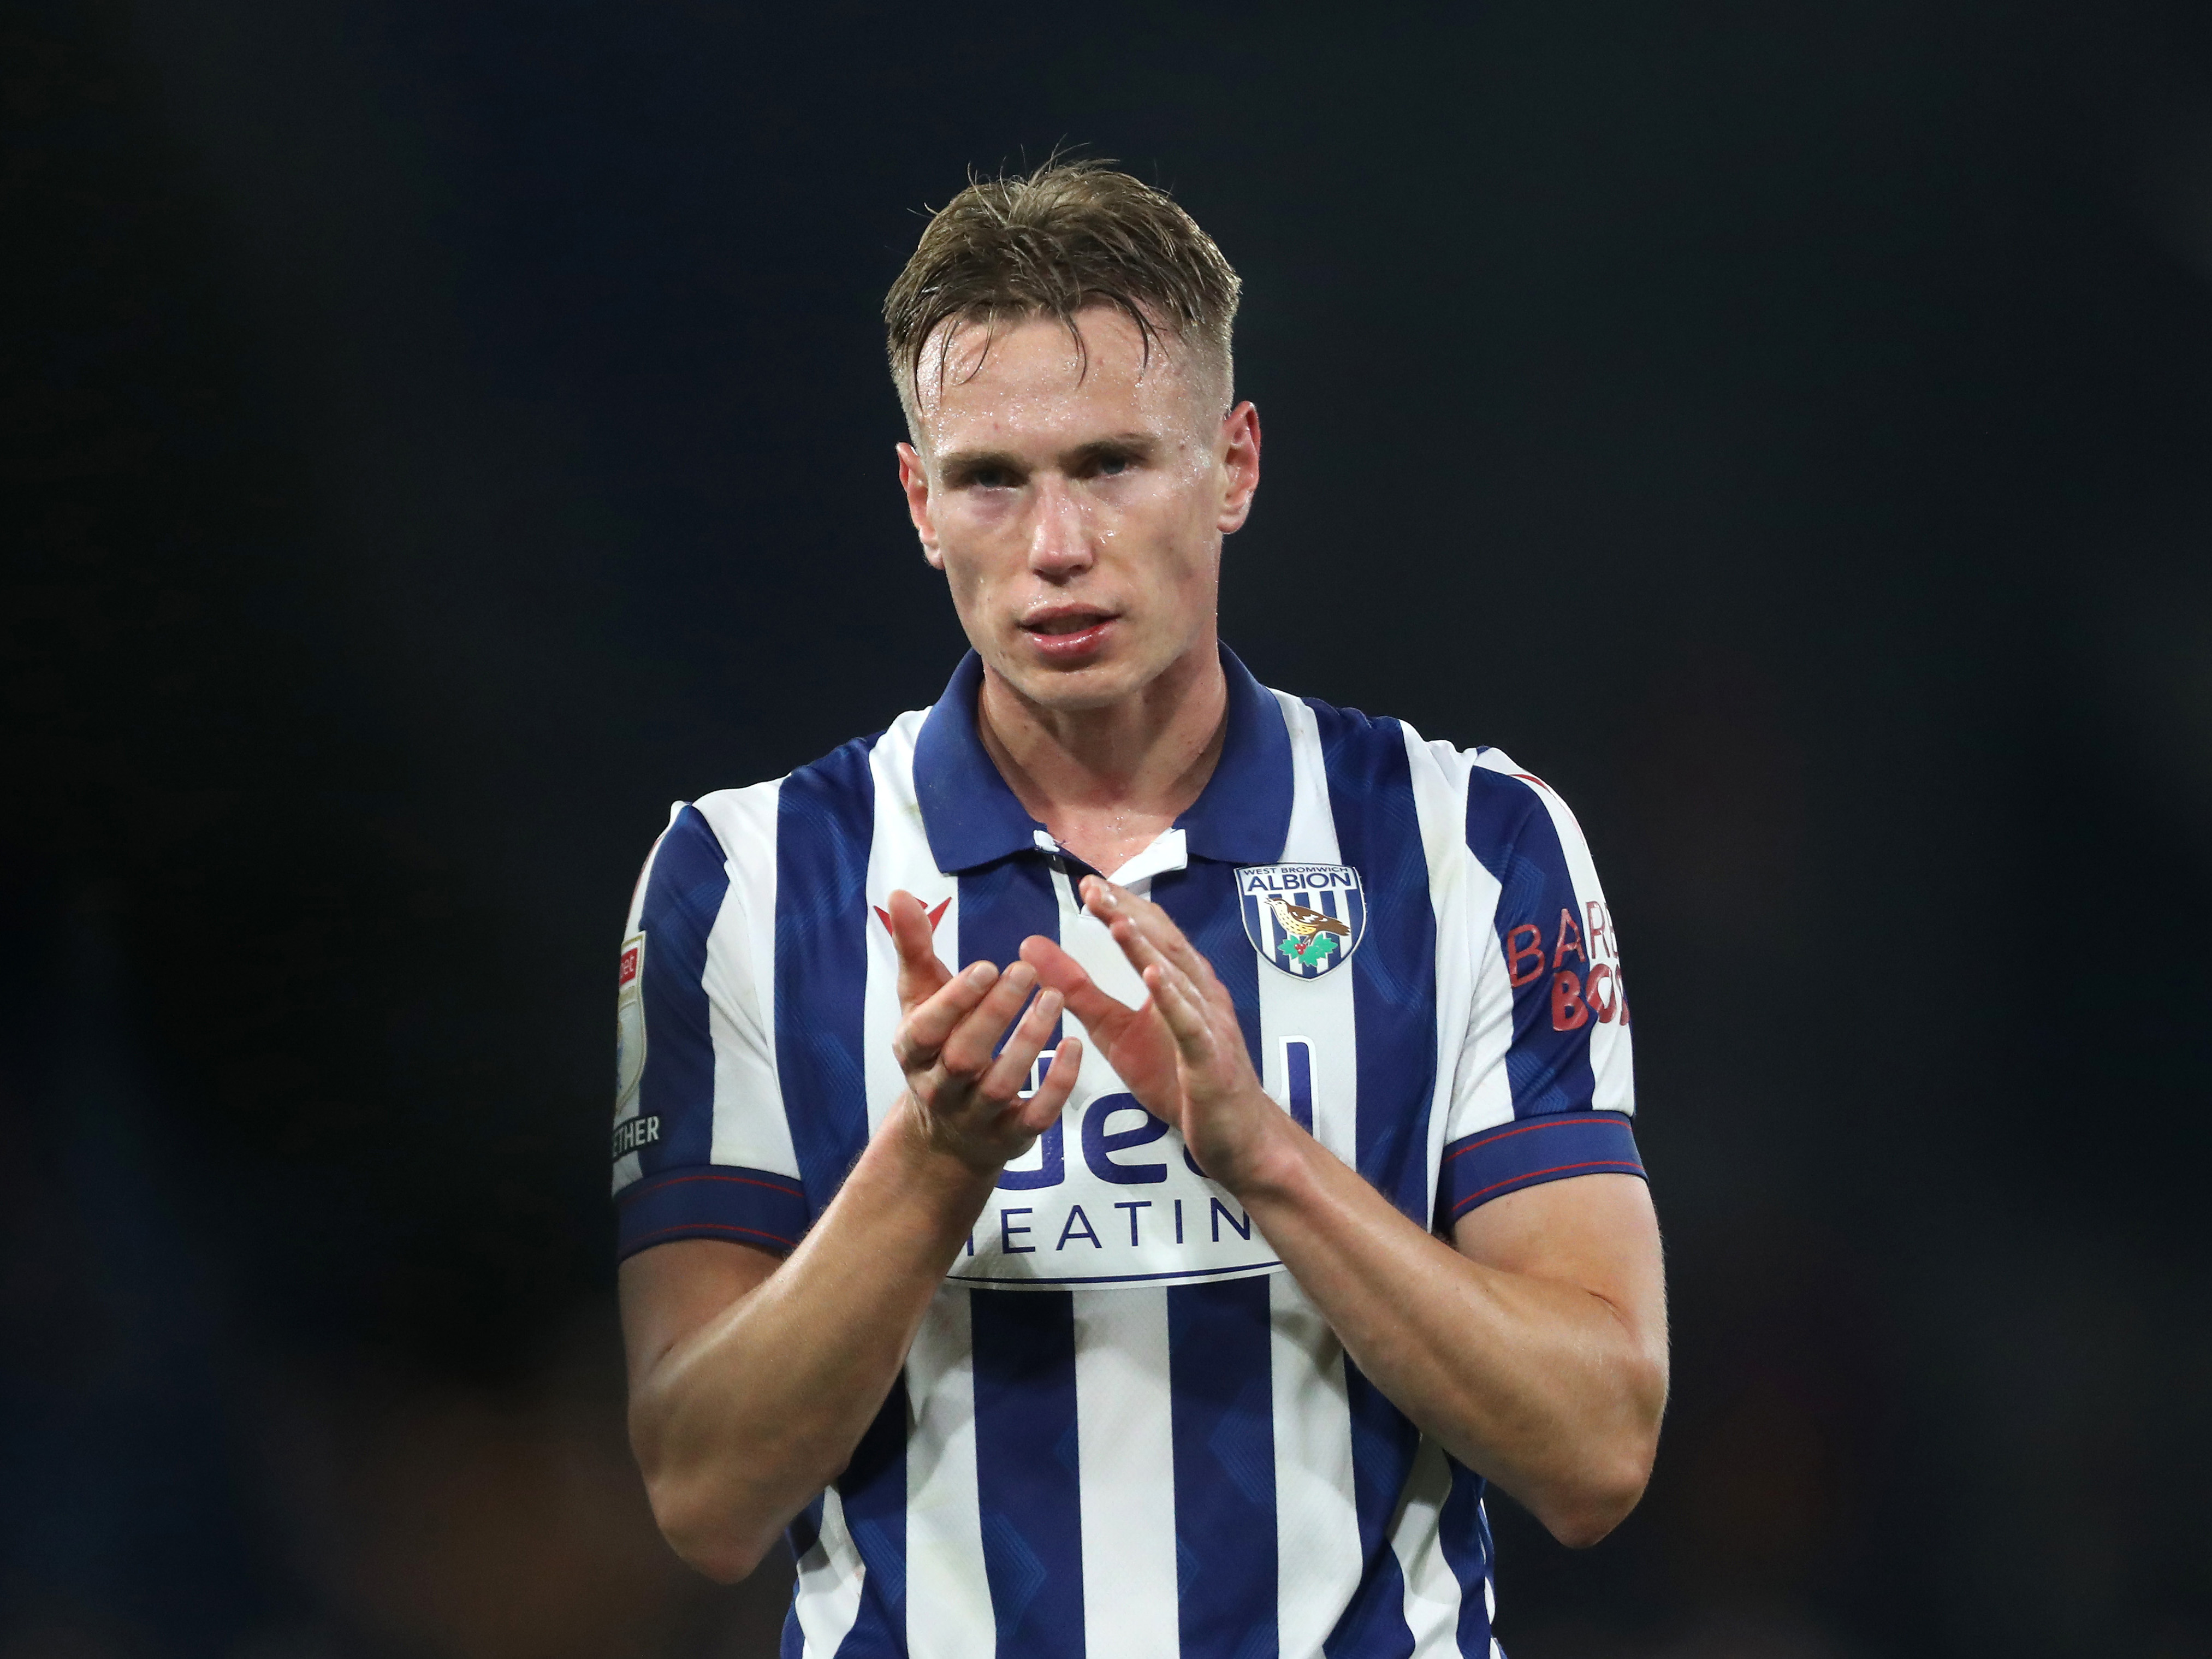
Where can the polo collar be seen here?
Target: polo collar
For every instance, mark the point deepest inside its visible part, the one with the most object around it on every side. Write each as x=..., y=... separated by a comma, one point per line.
x=1243, y=815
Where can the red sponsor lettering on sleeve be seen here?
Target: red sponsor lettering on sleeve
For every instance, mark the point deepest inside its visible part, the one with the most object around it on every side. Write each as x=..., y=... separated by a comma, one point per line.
x=1517, y=951
x=1568, y=1011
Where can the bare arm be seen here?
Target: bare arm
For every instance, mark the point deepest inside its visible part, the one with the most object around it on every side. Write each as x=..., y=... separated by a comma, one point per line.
x=751, y=1381
x=1535, y=1351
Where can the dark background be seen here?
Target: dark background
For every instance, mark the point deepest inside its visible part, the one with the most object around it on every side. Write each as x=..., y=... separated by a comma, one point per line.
x=439, y=434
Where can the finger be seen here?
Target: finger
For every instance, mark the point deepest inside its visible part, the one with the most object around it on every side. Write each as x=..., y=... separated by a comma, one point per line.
x=967, y=1052
x=1101, y=1014
x=921, y=974
x=1184, y=1013
x=1011, y=1068
x=922, y=1033
x=1139, y=949
x=1158, y=928
x=1040, y=1109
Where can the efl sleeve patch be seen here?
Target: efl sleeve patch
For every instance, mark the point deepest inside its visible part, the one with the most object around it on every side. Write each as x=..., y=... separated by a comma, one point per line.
x=1529, y=1153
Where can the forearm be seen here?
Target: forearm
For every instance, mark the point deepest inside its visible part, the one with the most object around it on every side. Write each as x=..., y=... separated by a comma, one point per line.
x=738, y=1424
x=1537, y=1382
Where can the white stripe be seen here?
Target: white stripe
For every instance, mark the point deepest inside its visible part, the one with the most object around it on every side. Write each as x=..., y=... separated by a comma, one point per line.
x=1317, y=1519
x=1319, y=1010
x=1439, y=772
x=1126, y=1449
x=750, y=1130
x=898, y=858
x=948, y=1595
x=1482, y=1090
x=829, y=1574
x=1432, y=1593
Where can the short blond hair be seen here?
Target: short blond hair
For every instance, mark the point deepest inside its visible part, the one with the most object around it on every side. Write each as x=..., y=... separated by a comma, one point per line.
x=1050, y=243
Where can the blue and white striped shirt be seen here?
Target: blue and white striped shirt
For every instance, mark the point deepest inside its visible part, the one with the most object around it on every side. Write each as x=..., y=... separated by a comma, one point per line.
x=1124, y=1429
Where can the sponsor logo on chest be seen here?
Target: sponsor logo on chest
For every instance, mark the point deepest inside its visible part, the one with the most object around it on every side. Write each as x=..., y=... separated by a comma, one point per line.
x=1109, y=1196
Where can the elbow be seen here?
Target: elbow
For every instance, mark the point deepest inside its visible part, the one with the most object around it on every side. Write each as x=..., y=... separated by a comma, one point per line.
x=1597, y=1496
x=706, y=1542
x=723, y=1525
x=1587, y=1514
x=712, y=1537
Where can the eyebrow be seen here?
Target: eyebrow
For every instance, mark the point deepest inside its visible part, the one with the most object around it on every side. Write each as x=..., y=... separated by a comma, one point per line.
x=1142, y=445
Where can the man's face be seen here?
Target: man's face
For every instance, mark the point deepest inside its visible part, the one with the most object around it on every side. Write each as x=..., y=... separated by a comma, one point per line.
x=1076, y=512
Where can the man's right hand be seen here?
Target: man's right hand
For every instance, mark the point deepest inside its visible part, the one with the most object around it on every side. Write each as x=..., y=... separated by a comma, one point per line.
x=965, y=1101
x=751, y=1381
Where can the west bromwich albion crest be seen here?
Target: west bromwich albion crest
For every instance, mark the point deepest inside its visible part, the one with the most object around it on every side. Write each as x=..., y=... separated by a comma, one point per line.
x=1305, y=919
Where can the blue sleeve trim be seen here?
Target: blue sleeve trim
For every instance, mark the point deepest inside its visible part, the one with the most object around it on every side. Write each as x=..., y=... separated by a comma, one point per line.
x=1530, y=1152
x=746, y=1206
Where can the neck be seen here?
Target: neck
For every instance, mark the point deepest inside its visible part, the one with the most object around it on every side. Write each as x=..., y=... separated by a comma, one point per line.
x=1106, y=781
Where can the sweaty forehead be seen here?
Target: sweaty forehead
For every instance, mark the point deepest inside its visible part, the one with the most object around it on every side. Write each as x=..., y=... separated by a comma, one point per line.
x=1035, y=374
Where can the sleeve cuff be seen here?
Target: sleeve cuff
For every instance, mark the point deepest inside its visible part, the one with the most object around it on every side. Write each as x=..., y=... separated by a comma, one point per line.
x=746, y=1206
x=1530, y=1152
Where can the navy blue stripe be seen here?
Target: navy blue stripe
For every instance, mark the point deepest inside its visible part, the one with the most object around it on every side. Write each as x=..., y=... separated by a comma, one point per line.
x=1297, y=1079
x=872, y=1490
x=1528, y=1152
x=683, y=897
x=1373, y=1625
x=825, y=817
x=1002, y=904
x=1225, y=1467
x=1393, y=984
x=1202, y=901
x=1541, y=927
x=747, y=1206
x=1464, y=1532
x=1027, y=1468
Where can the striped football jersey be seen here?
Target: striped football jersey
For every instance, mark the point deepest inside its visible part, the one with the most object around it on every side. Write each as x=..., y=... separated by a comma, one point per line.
x=1124, y=1429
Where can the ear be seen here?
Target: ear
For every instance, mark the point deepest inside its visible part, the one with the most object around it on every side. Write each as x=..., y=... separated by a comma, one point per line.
x=1240, y=467
x=913, y=479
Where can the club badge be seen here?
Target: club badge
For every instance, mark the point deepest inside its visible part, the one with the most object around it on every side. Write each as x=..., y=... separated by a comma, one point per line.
x=1302, y=918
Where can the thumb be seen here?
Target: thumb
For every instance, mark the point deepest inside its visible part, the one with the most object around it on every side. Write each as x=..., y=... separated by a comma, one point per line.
x=920, y=974
x=1059, y=971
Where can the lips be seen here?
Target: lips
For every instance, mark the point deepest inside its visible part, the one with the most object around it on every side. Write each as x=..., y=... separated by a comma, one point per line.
x=1068, y=634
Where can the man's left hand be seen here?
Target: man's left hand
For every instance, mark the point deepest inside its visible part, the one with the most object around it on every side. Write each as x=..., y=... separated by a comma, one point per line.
x=1182, y=1051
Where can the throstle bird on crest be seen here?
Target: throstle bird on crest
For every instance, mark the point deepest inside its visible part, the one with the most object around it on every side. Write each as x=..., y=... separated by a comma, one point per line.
x=1302, y=918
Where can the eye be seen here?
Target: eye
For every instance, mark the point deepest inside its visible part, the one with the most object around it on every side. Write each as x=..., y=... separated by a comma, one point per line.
x=990, y=477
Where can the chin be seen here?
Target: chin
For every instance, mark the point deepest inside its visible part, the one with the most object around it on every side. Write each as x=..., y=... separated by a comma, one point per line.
x=1069, y=690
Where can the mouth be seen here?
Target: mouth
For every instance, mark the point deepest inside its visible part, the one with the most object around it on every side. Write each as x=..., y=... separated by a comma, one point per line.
x=1070, y=634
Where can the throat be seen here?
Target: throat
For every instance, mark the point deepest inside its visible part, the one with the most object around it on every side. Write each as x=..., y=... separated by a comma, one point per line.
x=1107, y=781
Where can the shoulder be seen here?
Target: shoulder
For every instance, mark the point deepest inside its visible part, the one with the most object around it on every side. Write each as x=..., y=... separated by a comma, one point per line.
x=733, y=836
x=1501, y=796
x=731, y=822
x=1508, y=807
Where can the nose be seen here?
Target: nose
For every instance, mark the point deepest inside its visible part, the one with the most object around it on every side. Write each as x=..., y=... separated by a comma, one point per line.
x=1060, y=538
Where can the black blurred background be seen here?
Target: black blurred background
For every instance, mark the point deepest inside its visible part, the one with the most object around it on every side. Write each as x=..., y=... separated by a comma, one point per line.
x=438, y=435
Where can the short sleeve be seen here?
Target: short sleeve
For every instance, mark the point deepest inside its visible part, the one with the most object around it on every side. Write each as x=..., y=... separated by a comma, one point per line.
x=1544, y=1088
x=701, y=1147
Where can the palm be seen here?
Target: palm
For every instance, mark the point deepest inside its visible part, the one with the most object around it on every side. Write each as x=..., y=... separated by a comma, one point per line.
x=1136, y=1041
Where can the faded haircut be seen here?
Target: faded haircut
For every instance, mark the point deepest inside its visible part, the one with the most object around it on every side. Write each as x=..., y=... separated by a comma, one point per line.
x=1072, y=234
